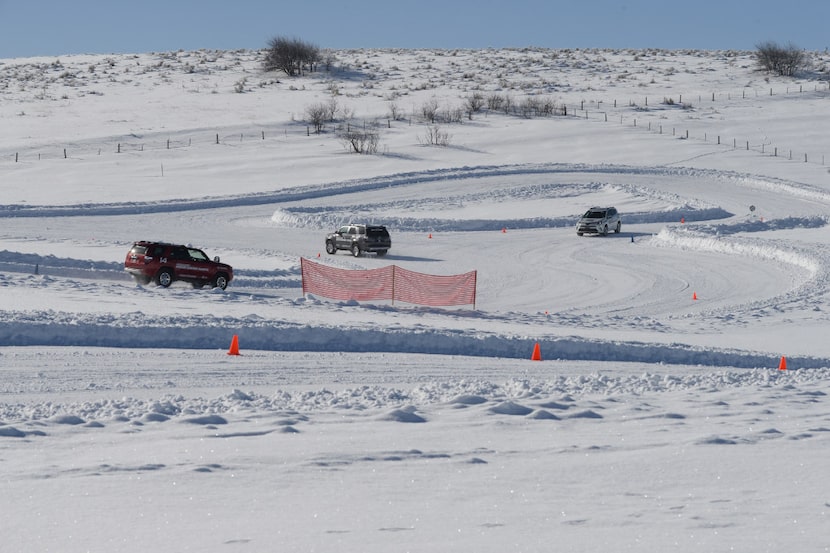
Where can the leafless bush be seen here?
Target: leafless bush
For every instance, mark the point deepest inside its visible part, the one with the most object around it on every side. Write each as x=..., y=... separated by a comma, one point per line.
x=361, y=141
x=473, y=104
x=290, y=55
x=781, y=60
x=495, y=102
x=317, y=115
x=434, y=136
x=395, y=112
x=429, y=110
x=451, y=115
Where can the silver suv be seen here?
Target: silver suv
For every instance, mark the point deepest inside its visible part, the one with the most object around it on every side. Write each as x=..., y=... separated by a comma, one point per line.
x=599, y=220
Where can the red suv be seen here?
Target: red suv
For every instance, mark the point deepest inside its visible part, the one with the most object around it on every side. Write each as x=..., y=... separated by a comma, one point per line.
x=167, y=263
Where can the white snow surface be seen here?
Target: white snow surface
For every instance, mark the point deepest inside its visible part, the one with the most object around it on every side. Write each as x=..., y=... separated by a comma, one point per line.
x=658, y=419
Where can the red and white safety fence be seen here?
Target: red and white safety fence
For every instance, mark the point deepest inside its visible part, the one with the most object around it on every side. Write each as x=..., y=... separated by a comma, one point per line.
x=390, y=283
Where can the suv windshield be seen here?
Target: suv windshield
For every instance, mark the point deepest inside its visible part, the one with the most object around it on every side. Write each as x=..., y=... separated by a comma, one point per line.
x=594, y=215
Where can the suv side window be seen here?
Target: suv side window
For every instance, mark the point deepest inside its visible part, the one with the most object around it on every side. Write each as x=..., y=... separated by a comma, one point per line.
x=179, y=253
x=197, y=255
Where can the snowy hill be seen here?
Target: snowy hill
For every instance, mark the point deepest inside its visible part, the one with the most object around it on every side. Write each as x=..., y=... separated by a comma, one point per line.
x=658, y=416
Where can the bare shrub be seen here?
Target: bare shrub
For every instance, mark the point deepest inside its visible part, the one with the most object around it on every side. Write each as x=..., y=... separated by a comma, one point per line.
x=361, y=141
x=317, y=115
x=395, y=112
x=474, y=104
x=429, y=110
x=451, y=115
x=781, y=60
x=495, y=102
x=434, y=136
x=290, y=55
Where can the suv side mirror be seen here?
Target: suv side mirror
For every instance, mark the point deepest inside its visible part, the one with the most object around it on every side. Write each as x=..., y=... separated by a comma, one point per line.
x=216, y=259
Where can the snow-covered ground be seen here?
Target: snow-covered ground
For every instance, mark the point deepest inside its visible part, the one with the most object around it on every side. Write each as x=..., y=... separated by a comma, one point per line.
x=657, y=419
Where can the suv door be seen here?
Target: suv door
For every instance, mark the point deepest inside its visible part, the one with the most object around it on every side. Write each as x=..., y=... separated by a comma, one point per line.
x=345, y=236
x=178, y=259
x=199, y=266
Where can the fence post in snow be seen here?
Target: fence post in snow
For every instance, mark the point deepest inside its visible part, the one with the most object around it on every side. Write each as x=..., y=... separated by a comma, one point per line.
x=217, y=138
x=64, y=153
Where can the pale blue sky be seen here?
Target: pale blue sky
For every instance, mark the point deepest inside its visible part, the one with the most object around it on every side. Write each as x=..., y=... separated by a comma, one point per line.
x=60, y=27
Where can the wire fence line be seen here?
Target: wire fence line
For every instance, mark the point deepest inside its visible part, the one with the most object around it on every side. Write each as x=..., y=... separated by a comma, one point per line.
x=763, y=147
x=632, y=112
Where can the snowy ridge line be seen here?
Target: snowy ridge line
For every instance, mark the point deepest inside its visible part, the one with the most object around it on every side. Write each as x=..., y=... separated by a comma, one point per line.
x=307, y=192
x=686, y=239
x=811, y=281
x=177, y=407
x=757, y=225
x=773, y=184
x=120, y=331
x=286, y=217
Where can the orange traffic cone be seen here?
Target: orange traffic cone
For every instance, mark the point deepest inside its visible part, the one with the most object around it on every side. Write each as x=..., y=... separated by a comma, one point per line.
x=504, y=230
x=234, y=346
x=430, y=236
x=537, y=353
x=782, y=365
x=694, y=295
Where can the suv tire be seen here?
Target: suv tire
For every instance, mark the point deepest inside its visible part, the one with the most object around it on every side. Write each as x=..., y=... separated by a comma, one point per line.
x=221, y=281
x=331, y=249
x=356, y=249
x=164, y=278
x=619, y=227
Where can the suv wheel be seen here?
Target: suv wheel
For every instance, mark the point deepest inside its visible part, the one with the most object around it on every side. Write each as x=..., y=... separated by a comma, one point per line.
x=605, y=230
x=619, y=227
x=221, y=281
x=381, y=253
x=330, y=247
x=164, y=278
x=356, y=250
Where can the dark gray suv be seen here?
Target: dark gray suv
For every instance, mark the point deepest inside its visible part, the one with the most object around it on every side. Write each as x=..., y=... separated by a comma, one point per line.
x=358, y=238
